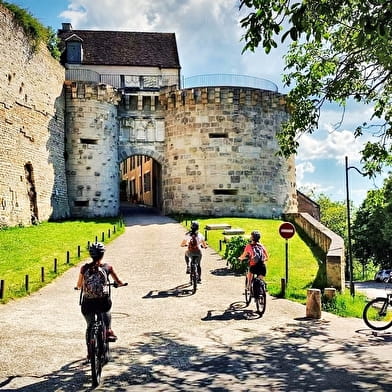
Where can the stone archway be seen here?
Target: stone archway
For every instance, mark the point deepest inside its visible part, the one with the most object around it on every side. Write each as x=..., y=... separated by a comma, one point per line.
x=141, y=177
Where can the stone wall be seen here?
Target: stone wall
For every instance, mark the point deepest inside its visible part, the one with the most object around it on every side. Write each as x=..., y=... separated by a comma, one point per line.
x=32, y=168
x=92, y=149
x=330, y=243
x=220, y=153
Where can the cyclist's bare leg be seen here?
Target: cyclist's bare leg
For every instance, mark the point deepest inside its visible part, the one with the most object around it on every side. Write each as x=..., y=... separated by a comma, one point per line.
x=250, y=277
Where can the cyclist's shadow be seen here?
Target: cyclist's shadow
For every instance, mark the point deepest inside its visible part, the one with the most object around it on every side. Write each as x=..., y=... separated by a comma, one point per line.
x=236, y=311
x=183, y=290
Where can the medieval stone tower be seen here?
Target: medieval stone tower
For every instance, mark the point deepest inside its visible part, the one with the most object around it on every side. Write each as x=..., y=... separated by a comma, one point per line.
x=220, y=153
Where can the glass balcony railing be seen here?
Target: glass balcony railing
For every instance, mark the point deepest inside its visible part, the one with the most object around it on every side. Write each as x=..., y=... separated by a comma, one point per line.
x=228, y=80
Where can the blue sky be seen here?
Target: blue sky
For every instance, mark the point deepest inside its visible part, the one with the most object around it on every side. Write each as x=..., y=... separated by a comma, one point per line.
x=209, y=42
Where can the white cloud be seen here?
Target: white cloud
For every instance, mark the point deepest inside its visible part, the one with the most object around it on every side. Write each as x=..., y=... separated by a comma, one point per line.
x=208, y=33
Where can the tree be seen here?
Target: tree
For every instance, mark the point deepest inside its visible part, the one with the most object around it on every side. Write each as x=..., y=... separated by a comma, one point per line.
x=333, y=215
x=372, y=228
x=340, y=51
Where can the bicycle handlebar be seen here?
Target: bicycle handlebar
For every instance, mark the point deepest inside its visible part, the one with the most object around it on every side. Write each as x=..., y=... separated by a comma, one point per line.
x=114, y=284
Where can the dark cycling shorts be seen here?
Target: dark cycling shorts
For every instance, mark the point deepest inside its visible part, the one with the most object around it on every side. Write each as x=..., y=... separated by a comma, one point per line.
x=259, y=269
x=101, y=305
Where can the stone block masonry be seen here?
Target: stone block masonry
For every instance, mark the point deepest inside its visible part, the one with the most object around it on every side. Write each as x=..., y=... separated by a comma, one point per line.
x=92, y=149
x=221, y=153
x=32, y=168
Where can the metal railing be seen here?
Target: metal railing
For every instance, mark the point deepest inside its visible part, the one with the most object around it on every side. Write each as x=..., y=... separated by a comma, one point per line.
x=142, y=82
x=228, y=80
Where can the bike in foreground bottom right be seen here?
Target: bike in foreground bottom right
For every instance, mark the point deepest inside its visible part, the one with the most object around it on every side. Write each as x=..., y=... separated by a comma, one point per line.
x=377, y=313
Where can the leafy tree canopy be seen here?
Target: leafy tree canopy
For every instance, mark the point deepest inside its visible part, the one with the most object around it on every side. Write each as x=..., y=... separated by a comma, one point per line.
x=340, y=50
x=34, y=29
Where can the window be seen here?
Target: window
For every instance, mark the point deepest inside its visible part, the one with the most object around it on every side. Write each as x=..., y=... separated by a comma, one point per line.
x=88, y=141
x=147, y=182
x=74, y=52
x=225, y=191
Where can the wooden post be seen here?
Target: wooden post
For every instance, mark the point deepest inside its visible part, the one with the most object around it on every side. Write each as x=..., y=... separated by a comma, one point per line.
x=205, y=235
x=42, y=274
x=109, y=233
x=67, y=256
x=220, y=245
x=313, y=303
x=78, y=251
x=329, y=293
x=103, y=237
x=27, y=282
x=2, y=289
x=55, y=266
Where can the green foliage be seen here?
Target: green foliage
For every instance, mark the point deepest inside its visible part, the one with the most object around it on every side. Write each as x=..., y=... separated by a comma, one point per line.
x=372, y=228
x=234, y=249
x=333, y=214
x=339, y=51
x=25, y=250
x=34, y=29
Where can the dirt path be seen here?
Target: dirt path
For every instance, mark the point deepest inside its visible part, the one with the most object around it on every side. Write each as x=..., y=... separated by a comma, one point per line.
x=170, y=340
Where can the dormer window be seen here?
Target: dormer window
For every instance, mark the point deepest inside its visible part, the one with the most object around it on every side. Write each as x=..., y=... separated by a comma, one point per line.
x=74, y=50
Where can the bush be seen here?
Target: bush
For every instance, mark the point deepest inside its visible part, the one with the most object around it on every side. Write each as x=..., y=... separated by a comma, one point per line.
x=234, y=249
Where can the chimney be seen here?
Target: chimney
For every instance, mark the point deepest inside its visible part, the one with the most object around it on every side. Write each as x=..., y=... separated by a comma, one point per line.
x=66, y=26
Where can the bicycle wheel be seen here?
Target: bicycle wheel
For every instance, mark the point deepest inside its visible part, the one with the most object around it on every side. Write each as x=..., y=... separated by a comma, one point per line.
x=247, y=293
x=194, y=277
x=260, y=296
x=95, y=357
x=376, y=314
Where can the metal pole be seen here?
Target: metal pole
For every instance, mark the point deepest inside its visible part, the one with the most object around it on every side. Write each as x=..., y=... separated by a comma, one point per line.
x=287, y=262
x=350, y=259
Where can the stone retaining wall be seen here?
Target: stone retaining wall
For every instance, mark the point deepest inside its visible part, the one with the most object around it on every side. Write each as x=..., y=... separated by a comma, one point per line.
x=329, y=242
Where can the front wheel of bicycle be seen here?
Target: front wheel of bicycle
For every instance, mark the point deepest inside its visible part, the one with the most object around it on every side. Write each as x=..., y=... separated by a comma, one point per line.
x=95, y=358
x=376, y=314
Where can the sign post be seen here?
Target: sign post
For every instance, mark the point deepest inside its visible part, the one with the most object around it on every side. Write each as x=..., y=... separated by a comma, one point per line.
x=287, y=231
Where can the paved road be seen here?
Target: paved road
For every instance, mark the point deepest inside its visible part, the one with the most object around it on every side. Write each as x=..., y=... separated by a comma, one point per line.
x=170, y=340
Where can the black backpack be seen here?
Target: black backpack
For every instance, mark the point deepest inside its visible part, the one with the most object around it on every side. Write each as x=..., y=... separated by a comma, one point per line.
x=258, y=254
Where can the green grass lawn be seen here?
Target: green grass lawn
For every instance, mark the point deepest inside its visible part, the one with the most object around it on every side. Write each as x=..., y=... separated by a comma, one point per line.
x=25, y=250
x=306, y=268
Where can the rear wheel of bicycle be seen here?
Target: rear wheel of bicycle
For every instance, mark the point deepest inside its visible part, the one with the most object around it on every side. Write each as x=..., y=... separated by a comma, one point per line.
x=95, y=358
x=377, y=314
x=247, y=293
x=194, y=277
x=260, y=297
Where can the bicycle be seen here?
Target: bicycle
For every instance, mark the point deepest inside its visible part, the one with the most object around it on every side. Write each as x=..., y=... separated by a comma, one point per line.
x=257, y=291
x=194, y=273
x=98, y=343
x=376, y=314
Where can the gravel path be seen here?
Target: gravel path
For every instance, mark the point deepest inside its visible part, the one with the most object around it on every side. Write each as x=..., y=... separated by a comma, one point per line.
x=170, y=340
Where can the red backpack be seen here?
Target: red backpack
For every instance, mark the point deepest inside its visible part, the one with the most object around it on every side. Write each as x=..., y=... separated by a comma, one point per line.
x=193, y=245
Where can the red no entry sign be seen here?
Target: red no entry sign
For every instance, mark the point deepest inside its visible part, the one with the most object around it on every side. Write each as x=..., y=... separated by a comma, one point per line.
x=286, y=230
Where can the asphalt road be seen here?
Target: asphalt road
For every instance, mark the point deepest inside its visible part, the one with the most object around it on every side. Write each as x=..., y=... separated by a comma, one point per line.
x=170, y=340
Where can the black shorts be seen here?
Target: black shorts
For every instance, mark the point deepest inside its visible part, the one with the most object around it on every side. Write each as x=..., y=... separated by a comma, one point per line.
x=101, y=305
x=258, y=269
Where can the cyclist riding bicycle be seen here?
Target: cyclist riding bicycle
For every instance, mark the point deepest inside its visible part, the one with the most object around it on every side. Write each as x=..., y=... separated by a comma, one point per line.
x=194, y=241
x=258, y=268
x=92, y=301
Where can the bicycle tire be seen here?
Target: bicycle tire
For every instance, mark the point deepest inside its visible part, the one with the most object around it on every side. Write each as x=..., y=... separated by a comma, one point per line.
x=194, y=277
x=376, y=314
x=95, y=359
x=260, y=297
x=248, y=296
